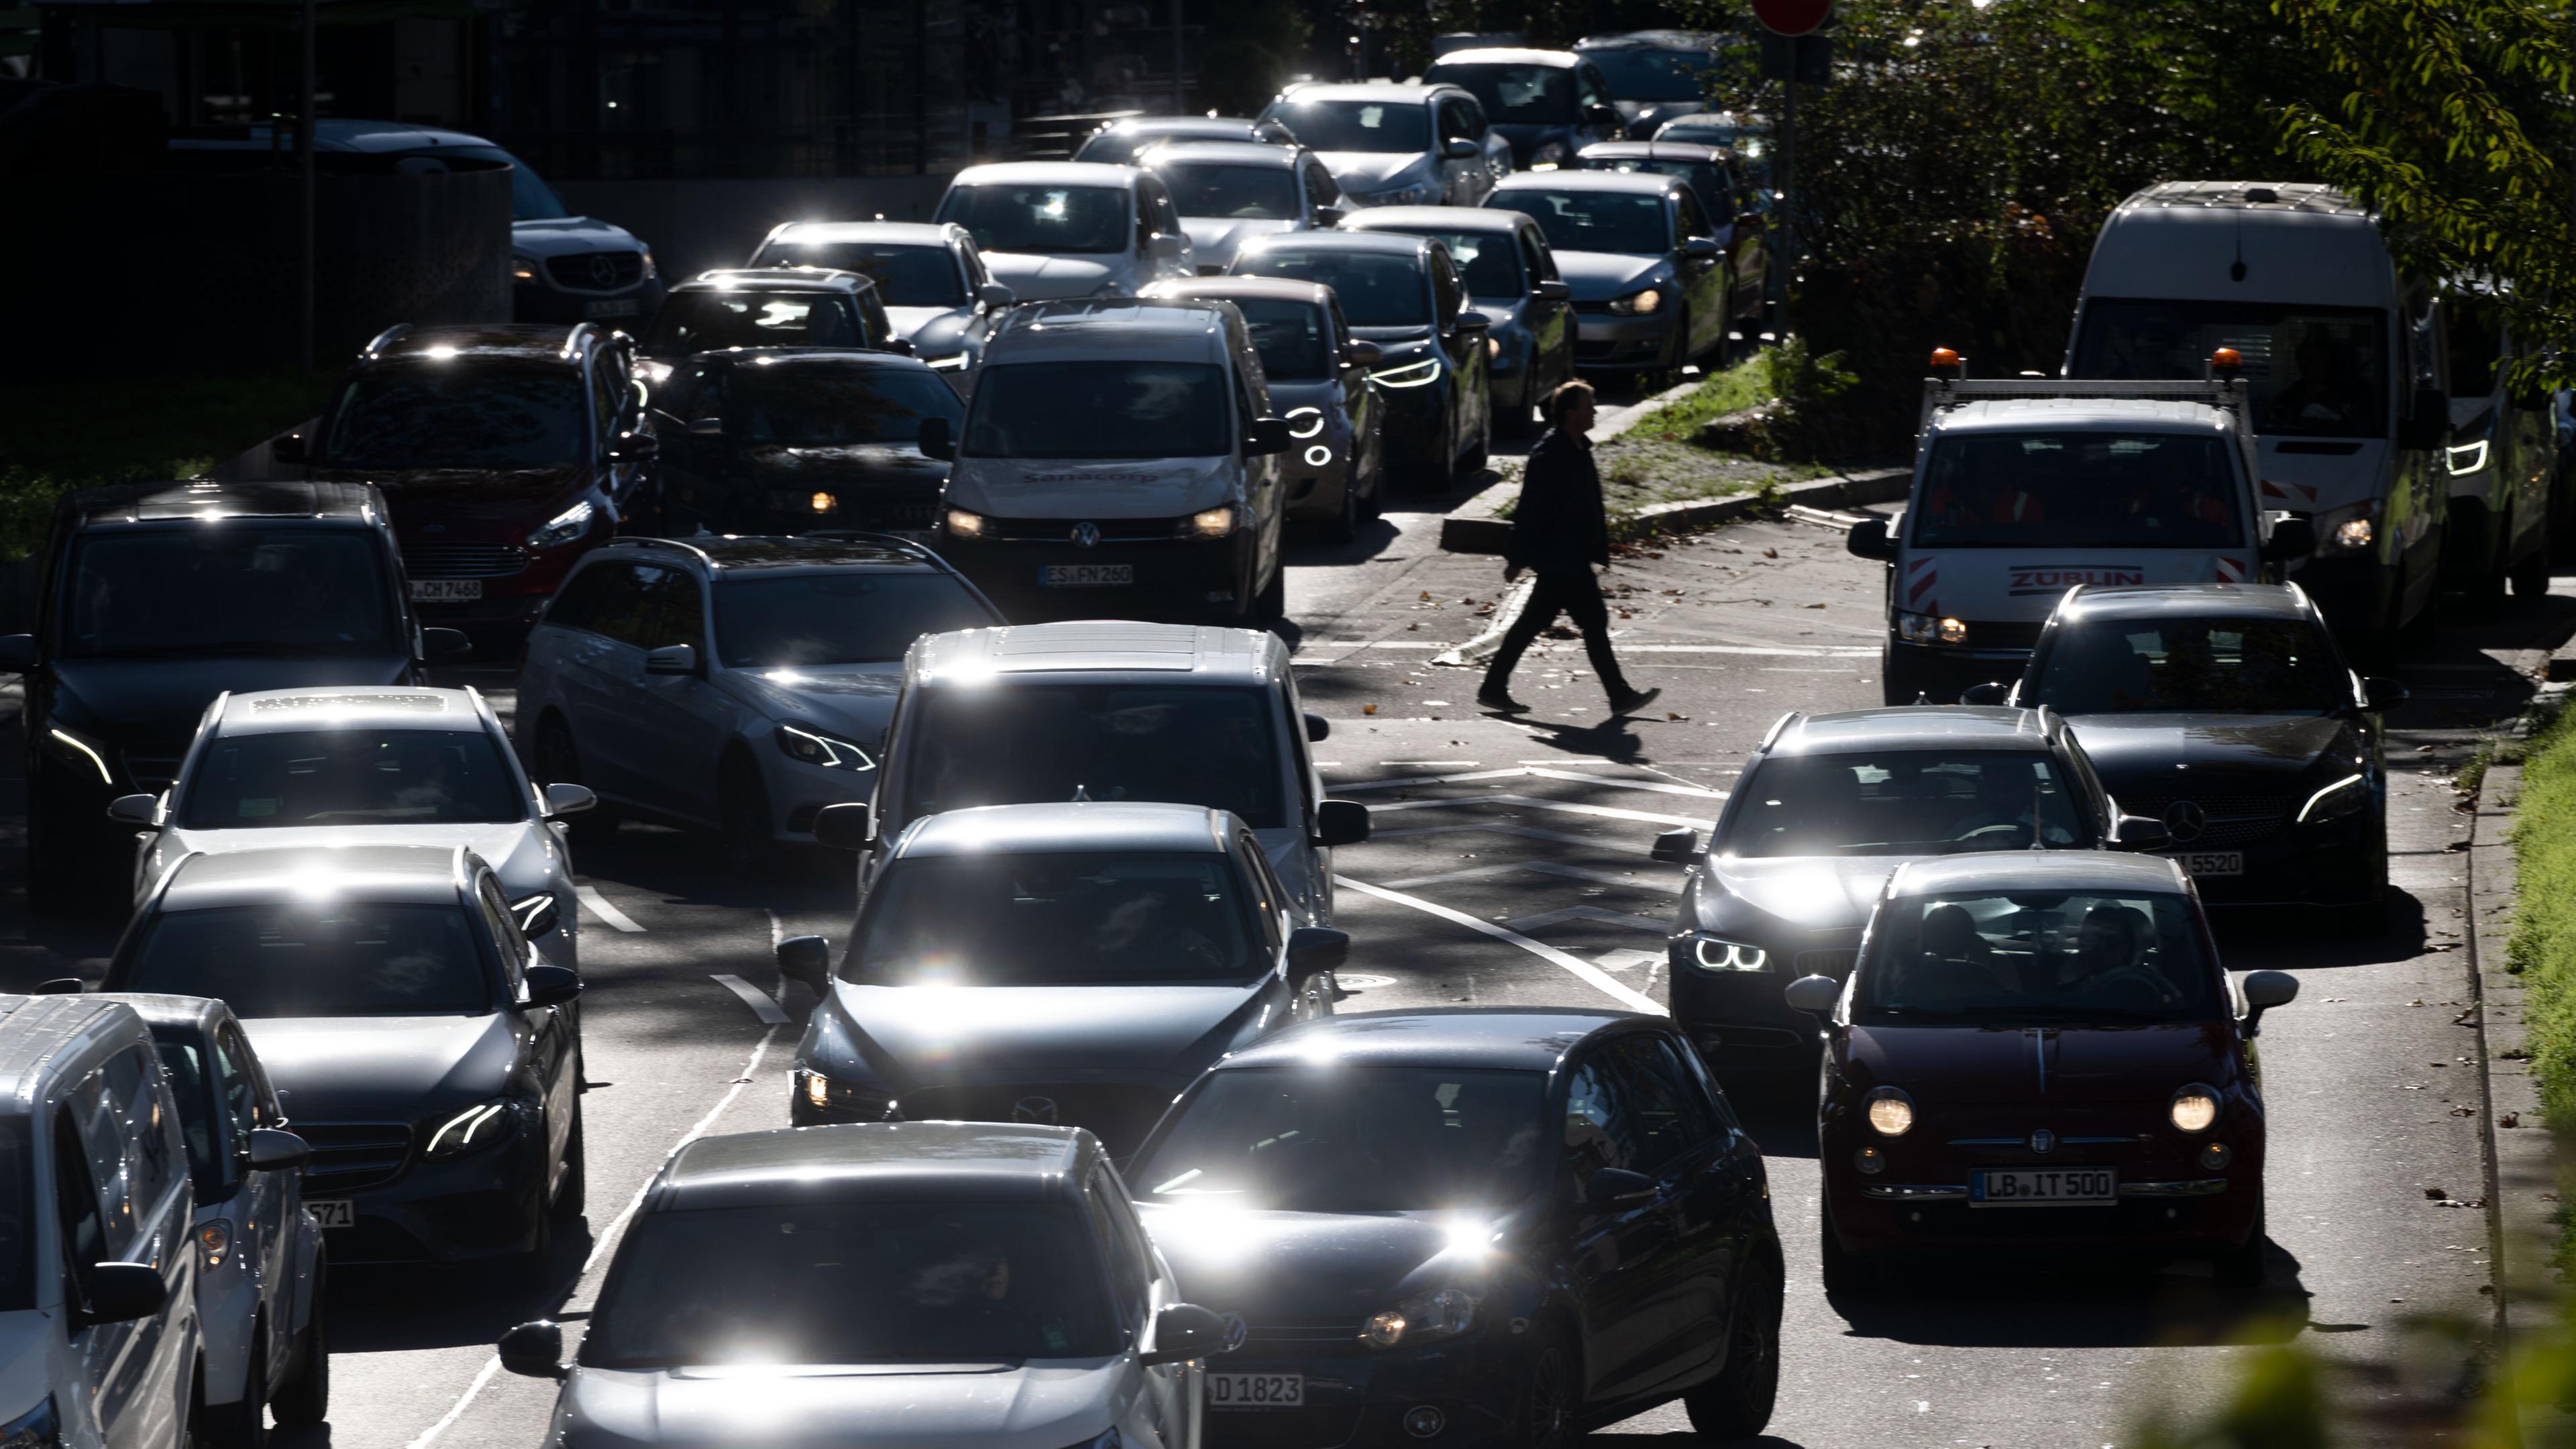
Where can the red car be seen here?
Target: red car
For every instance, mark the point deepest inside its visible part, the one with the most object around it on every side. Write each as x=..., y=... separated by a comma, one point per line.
x=504, y=452
x=2040, y=1052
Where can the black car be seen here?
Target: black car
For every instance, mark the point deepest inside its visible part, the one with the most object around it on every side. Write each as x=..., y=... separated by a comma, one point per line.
x=782, y=440
x=1075, y=963
x=1830, y=804
x=1653, y=75
x=1468, y=1227
x=2227, y=712
x=159, y=596
x=767, y=307
x=1734, y=205
x=1548, y=104
x=429, y=1054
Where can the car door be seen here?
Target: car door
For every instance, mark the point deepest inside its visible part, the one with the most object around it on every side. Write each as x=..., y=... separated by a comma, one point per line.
x=1359, y=400
x=296, y=1245
x=120, y=1173
x=1611, y=1248
x=1165, y=1404
x=677, y=721
x=1468, y=401
x=1263, y=484
x=599, y=668
x=1686, y=1150
x=1704, y=279
x=1321, y=190
x=552, y=1046
x=1454, y=121
x=1591, y=96
x=1551, y=324
x=267, y=1202
x=101, y=1349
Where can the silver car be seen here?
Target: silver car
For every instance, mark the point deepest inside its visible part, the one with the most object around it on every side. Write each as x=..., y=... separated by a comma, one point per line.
x=1228, y=192
x=364, y=765
x=1062, y=229
x=936, y=288
x=1397, y=145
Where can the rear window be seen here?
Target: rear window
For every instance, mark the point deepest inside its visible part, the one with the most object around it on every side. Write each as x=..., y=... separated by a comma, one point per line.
x=1377, y=289
x=351, y=777
x=1204, y=745
x=1096, y=409
x=232, y=589
x=710, y=321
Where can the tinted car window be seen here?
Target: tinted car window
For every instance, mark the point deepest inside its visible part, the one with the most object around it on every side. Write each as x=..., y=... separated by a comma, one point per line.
x=1487, y=262
x=1100, y=410
x=590, y=595
x=1202, y=188
x=1514, y=94
x=1596, y=221
x=2201, y=666
x=1903, y=802
x=1290, y=337
x=1029, y=745
x=707, y=321
x=1376, y=289
x=2314, y=371
x=1071, y=919
x=1041, y=218
x=1673, y=1118
x=808, y=405
x=433, y=416
x=842, y=618
x=193, y=1088
x=1653, y=75
x=1359, y=125
x=2039, y=958
x=1601, y=1128
x=853, y=1283
x=674, y=610
x=18, y=1207
x=2078, y=490
x=341, y=958
x=1353, y=1139
x=350, y=777
x=236, y=589
x=907, y=276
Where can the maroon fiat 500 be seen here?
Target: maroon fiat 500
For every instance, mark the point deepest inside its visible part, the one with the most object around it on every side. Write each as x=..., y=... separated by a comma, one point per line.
x=2039, y=1050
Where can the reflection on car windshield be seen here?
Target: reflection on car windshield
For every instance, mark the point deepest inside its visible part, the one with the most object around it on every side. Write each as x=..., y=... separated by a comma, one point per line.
x=1653, y=75
x=2199, y=666
x=840, y=618
x=459, y=417
x=2036, y=959
x=1100, y=410
x=853, y=1283
x=1290, y=337
x=2079, y=490
x=1358, y=125
x=1521, y=94
x=1092, y=918
x=1337, y=1139
x=329, y=958
x=1046, y=219
x=229, y=590
x=352, y=776
x=1489, y=262
x=2319, y=372
x=817, y=405
x=1258, y=193
x=1195, y=745
x=906, y=276
x=1913, y=802
x=708, y=321
x=1376, y=289
x=1595, y=221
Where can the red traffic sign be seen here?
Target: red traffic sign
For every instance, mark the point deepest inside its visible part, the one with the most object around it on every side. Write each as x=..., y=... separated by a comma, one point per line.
x=1792, y=17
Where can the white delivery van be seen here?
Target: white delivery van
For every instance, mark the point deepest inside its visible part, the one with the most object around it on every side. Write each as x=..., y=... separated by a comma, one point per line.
x=2026, y=487
x=2344, y=378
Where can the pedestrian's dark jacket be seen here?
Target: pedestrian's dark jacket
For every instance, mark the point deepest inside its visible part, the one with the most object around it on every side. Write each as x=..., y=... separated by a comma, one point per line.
x=1558, y=526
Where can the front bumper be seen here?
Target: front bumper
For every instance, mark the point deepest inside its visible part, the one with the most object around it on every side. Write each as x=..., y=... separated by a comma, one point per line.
x=797, y=791
x=1358, y=1397
x=1414, y=421
x=1602, y=341
x=509, y=582
x=626, y=309
x=486, y=1204
x=1941, y=674
x=2332, y=863
x=1173, y=580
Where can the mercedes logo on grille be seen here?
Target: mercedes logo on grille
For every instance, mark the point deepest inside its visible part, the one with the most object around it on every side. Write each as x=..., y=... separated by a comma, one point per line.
x=2185, y=820
x=2043, y=1142
x=1040, y=1111
x=1086, y=535
x=603, y=270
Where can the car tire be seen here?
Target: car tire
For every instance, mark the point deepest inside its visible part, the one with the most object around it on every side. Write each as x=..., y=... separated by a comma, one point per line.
x=742, y=808
x=2531, y=576
x=1270, y=606
x=1551, y=1396
x=1737, y=1403
x=1373, y=500
x=1844, y=1271
x=572, y=1196
x=243, y=1424
x=1345, y=525
x=2241, y=1269
x=559, y=763
x=303, y=1397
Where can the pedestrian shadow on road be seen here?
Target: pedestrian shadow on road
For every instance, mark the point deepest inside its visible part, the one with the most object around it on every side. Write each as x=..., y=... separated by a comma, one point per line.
x=1614, y=738
x=1672, y=1439
x=2004, y=1300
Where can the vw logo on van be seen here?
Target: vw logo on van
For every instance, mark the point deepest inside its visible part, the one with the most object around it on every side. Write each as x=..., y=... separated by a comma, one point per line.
x=1039, y=1111
x=1086, y=535
x=2185, y=820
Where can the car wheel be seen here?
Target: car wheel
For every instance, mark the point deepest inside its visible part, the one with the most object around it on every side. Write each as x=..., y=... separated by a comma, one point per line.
x=1737, y=1403
x=243, y=1424
x=304, y=1396
x=1550, y=1396
x=1346, y=524
x=2241, y=1269
x=1843, y=1271
x=559, y=763
x=2531, y=576
x=572, y=1196
x=1270, y=606
x=743, y=808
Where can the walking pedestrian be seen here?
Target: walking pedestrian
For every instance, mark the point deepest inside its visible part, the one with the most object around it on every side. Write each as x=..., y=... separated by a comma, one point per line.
x=1560, y=531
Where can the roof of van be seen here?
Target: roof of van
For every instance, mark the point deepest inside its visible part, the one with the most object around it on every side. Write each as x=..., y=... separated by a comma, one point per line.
x=1047, y=173
x=1164, y=329
x=1064, y=827
x=201, y=498
x=36, y=1029
x=2309, y=197
x=2080, y=415
x=2220, y=241
x=934, y=1161
x=1098, y=647
x=1231, y=153
x=364, y=706
x=377, y=874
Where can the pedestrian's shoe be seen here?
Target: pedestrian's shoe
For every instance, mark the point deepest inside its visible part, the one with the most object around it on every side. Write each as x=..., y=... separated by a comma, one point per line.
x=1495, y=698
x=1634, y=700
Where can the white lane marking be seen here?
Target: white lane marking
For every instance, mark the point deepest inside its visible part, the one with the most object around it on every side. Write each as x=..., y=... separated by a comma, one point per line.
x=456, y=1410
x=1526, y=832
x=1524, y=772
x=600, y=907
x=761, y=1004
x=1532, y=802
x=1581, y=969
x=1542, y=649
x=1544, y=867
x=1425, y=764
x=1591, y=913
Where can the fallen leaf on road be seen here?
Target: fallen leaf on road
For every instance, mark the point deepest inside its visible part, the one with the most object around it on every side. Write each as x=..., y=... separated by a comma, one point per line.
x=2436, y=1194
x=2512, y=1119
x=1668, y=714
x=1815, y=606
x=1775, y=553
x=1368, y=709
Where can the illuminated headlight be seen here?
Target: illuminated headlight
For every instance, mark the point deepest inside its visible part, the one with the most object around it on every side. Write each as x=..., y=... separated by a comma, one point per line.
x=214, y=1243
x=471, y=1130
x=963, y=524
x=564, y=527
x=823, y=751
x=2194, y=1108
x=650, y=271
x=1222, y=521
x=953, y=362
x=1422, y=1318
x=1870, y=1160
x=38, y=1428
x=2344, y=797
x=1637, y=304
x=523, y=269
x=823, y=503
x=1930, y=629
x=73, y=746
x=2353, y=533
x=847, y=1098
x=1305, y=423
x=1415, y=374
x=1890, y=1112
x=2467, y=457
x=1716, y=954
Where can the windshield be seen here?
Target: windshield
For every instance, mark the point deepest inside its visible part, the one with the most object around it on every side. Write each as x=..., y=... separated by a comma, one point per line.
x=2317, y=372
x=1290, y=336
x=1652, y=75
x=1488, y=262
x=1594, y=221
x=1034, y=744
x=2094, y=489
x=1334, y=1139
x=837, y=618
x=328, y=958
x=231, y=589
x=1376, y=289
x=444, y=416
x=1092, y=918
x=906, y=276
x=1047, y=219
x=351, y=777
x=1394, y=126
x=1258, y=193
x=708, y=321
x=819, y=405
x=1909, y=802
x=853, y=1283
x=1700, y=176
x=530, y=198
x=1100, y=409
x=2052, y=958
x=2199, y=666
x=1524, y=94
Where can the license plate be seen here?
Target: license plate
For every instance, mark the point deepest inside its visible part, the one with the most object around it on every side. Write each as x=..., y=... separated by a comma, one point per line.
x=625, y=308
x=1256, y=1391
x=336, y=1212
x=2044, y=1187
x=2212, y=862
x=445, y=591
x=1085, y=576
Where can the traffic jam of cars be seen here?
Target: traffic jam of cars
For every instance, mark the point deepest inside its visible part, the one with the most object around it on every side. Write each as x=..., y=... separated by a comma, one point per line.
x=952, y=552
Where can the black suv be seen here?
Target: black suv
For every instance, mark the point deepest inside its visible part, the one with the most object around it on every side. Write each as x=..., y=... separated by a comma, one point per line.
x=767, y=307
x=790, y=439
x=155, y=598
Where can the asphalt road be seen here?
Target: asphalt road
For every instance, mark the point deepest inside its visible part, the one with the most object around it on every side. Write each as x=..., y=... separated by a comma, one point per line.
x=1509, y=866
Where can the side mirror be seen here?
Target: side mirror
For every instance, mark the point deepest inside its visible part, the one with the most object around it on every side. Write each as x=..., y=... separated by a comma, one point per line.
x=563, y=800
x=123, y=1292
x=1318, y=729
x=1314, y=950
x=1552, y=290
x=552, y=985
x=1601, y=115
x=2428, y=420
x=274, y=1149
x=1363, y=354
x=842, y=827
x=2381, y=693
x=1870, y=538
x=1616, y=1187
x=1472, y=320
x=807, y=959
x=534, y=1349
x=1184, y=1331
x=132, y=809
x=706, y=428
x=1341, y=822
x=17, y=653
x=2140, y=832
x=537, y=915
x=442, y=646
x=1992, y=692
x=672, y=659
x=290, y=448
x=2265, y=990
x=900, y=346
x=994, y=296
x=1269, y=438
x=2293, y=537
x=634, y=448
x=1814, y=995
x=1166, y=247
x=1459, y=148
x=1677, y=846
x=1699, y=248
x=1330, y=216
x=935, y=439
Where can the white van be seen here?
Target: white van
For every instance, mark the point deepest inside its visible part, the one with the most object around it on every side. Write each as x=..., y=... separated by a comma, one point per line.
x=2345, y=381
x=2024, y=488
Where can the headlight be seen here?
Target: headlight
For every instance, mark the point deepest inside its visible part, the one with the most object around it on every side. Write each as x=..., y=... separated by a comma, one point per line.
x=1492, y=347
x=963, y=524
x=826, y=751
x=2349, y=530
x=2194, y=1108
x=650, y=271
x=1891, y=1112
x=214, y=1243
x=1221, y=521
x=524, y=910
x=523, y=269
x=2344, y=797
x=823, y=503
x=1930, y=629
x=846, y=1098
x=38, y=1428
x=1304, y=423
x=564, y=527
x=81, y=749
x=1422, y=1318
x=473, y=1129
x=1636, y=304
x=1412, y=374
x=1716, y=954
x=2467, y=457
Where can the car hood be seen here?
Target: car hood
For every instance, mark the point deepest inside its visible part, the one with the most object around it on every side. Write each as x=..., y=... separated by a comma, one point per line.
x=553, y=236
x=2141, y=751
x=1034, y=278
x=1809, y=892
x=1397, y=342
x=464, y=500
x=896, y=467
x=521, y=852
x=973, y=1406
x=1213, y=239
x=1600, y=276
x=918, y=1036
x=1969, y=1067
x=853, y=700
x=160, y=700
x=1374, y=170
x=1093, y=488
x=1275, y=1267
x=398, y=1066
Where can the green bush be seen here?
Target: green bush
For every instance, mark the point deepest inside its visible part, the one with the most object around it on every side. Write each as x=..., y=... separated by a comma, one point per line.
x=2542, y=949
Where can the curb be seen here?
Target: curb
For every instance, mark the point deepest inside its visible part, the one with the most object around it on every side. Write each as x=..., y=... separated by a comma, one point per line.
x=1475, y=520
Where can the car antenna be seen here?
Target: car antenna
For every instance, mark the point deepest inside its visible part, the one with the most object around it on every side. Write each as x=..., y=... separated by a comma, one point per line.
x=1081, y=794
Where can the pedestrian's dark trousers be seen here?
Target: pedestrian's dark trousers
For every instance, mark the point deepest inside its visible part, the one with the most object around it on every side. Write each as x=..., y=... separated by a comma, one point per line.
x=1578, y=596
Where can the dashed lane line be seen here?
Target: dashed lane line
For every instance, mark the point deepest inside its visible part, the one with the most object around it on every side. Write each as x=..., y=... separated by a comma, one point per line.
x=1532, y=802
x=599, y=906
x=1579, y=968
x=761, y=1003
x=1594, y=874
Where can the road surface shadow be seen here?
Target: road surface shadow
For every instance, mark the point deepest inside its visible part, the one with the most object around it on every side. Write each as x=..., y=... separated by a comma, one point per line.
x=378, y=1308
x=2299, y=939
x=1676, y=1439
x=2009, y=1300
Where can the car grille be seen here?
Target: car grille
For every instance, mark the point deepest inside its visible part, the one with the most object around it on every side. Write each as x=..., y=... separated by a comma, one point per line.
x=462, y=560
x=596, y=271
x=352, y=1156
x=1118, y=1113
x=2233, y=819
x=1112, y=530
x=1593, y=309
x=1826, y=963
